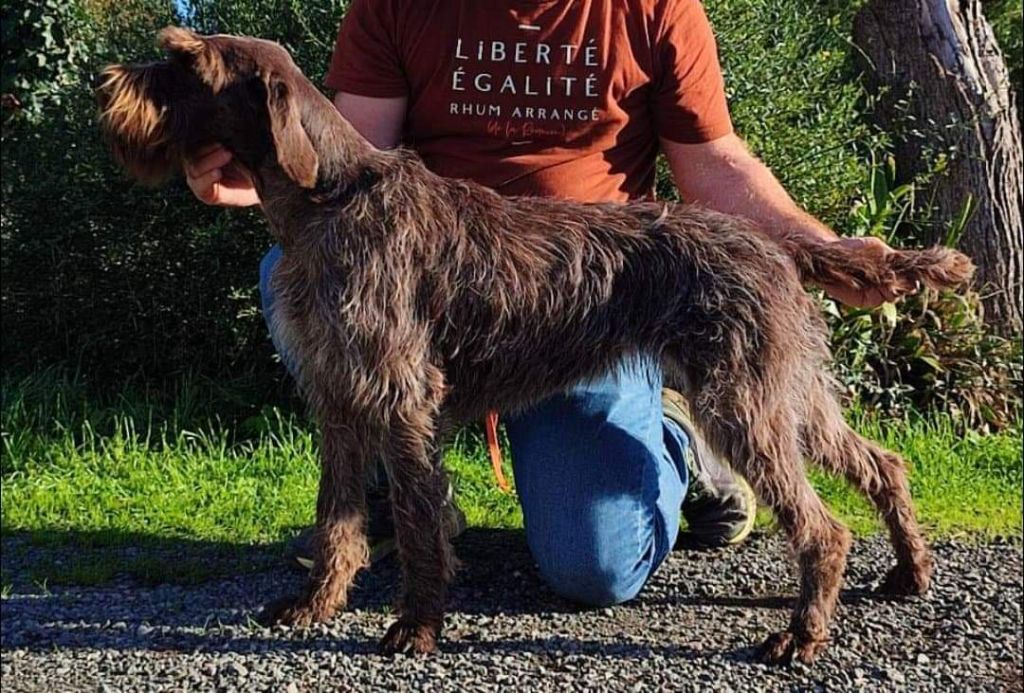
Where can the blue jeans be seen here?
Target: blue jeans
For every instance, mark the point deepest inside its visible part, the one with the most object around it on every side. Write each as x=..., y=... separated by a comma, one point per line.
x=600, y=473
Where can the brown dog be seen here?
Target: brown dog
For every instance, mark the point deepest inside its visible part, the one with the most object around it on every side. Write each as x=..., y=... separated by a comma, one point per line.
x=414, y=303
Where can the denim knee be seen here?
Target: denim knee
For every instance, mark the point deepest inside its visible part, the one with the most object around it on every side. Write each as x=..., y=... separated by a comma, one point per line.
x=581, y=576
x=599, y=487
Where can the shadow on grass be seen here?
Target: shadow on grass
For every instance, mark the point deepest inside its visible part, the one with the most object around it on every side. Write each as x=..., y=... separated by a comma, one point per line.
x=46, y=558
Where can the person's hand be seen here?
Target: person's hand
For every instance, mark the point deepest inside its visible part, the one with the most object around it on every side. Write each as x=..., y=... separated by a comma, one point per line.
x=215, y=180
x=869, y=297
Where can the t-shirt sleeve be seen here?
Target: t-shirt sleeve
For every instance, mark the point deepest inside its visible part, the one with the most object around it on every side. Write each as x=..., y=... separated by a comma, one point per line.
x=366, y=59
x=689, y=100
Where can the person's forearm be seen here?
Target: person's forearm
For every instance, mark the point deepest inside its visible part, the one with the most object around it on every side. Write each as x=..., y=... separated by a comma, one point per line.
x=723, y=175
x=752, y=191
x=731, y=180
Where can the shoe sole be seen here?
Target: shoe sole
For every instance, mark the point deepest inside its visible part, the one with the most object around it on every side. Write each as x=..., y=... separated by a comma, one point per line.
x=748, y=525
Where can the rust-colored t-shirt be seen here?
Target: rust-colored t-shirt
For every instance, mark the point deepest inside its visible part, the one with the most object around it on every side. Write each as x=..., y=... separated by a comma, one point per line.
x=561, y=98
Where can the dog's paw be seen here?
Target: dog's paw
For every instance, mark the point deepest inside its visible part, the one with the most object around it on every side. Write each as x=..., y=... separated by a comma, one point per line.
x=907, y=580
x=784, y=647
x=292, y=611
x=408, y=637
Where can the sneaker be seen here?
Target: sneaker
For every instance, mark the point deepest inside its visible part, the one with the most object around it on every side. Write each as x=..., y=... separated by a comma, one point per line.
x=380, y=529
x=720, y=507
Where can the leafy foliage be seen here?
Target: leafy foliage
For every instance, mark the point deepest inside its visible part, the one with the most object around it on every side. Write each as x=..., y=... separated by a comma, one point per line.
x=1006, y=17
x=97, y=271
x=39, y=51
x=794, y=97
x=933, y=351
x=306, y=29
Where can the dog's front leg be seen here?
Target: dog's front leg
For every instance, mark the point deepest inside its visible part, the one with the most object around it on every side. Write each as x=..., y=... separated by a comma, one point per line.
x=419, y=492
x=339, y=542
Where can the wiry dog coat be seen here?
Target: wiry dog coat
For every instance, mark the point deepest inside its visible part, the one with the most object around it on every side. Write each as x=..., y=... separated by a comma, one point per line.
x=413, y=303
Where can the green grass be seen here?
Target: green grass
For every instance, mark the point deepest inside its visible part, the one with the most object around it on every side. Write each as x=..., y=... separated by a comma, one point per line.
x=163, y=489
x=962, y=483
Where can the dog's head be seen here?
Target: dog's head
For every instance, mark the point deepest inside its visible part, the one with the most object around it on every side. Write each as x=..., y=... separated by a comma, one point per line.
x=241, y=92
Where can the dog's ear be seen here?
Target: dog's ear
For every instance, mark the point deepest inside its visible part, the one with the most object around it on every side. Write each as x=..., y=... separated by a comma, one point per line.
x=198, y=52
x=295, y=152
x=175, y=39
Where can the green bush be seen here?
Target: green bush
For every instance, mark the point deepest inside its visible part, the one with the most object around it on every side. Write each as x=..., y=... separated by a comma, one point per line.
x=307, y=29
x=934, y=351
x=1007, y=19
x=96, y=271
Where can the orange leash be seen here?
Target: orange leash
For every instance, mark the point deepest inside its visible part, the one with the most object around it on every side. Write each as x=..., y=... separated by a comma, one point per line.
x=491, y=429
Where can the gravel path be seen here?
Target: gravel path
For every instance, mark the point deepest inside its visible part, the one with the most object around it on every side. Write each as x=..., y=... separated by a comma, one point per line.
x=693, y=628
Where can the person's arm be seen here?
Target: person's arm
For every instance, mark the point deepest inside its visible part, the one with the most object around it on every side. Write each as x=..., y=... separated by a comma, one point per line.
x=710, y=164
x=378, y=119
x=725, y=176
x=215, y=182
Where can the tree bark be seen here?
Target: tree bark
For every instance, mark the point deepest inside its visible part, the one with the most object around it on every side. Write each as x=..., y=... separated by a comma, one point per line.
x=943, y=90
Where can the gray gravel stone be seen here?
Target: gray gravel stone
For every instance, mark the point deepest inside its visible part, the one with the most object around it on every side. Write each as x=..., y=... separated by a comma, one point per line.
x=694, y=627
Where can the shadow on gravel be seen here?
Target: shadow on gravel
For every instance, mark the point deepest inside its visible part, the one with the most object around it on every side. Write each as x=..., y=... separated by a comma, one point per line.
x=183, y=596
x=497, y=569
x=50, y=639
x=577, y=646
x=778, y=602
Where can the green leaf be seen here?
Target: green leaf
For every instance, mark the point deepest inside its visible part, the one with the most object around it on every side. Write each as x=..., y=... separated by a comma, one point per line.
x=958, y=225
x=888, y=311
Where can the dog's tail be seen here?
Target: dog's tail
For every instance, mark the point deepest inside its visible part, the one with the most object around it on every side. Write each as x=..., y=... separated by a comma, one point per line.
x=867, y=266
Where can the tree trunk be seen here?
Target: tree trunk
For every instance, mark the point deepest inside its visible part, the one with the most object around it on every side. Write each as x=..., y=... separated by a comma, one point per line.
x=943, y=90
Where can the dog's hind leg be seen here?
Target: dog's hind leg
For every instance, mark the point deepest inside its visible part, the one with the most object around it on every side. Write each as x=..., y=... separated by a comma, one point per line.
x=339, y=541
x=762, y=445
x=877, y=473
